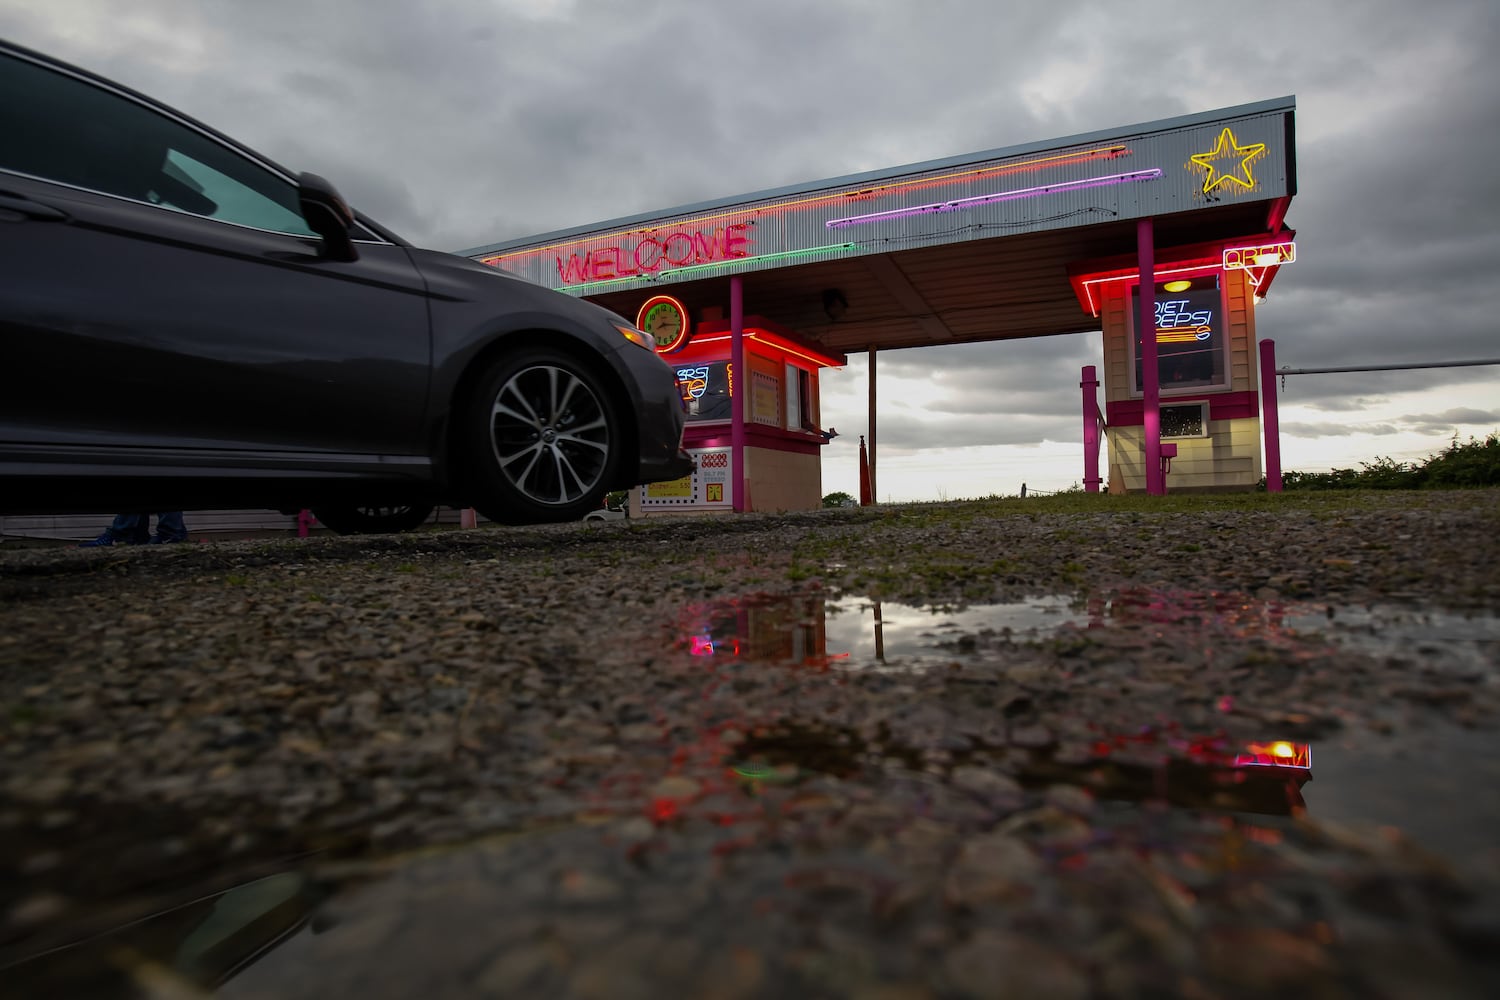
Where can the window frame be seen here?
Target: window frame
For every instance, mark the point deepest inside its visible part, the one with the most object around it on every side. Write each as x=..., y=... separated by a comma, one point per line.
x=1203, y=410
x=1164, y=388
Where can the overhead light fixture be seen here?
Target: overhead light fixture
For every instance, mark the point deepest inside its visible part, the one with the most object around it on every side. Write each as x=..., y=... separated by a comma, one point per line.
x=1178, y=286
x=834, y=304
x=1259, y=299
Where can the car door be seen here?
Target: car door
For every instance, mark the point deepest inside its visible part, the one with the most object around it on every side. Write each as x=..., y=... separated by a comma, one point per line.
x=163, y=300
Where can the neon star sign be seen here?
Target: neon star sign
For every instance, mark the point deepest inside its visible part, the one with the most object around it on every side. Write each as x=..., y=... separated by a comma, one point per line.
x=1228, y=151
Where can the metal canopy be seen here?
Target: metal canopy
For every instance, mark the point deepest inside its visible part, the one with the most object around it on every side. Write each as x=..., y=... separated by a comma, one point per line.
x=960, y=250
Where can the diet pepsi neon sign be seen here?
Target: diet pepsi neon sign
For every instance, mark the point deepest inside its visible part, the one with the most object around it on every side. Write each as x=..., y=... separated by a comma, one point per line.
x=1178, y=321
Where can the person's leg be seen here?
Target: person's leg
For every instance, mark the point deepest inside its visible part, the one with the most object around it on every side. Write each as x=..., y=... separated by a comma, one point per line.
x=125, y=529
x=169, y=527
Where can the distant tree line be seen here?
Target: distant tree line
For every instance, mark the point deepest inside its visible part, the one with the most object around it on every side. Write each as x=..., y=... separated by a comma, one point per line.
x=1461, y=464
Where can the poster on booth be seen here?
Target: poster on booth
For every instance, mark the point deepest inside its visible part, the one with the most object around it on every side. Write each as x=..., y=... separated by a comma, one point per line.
x=710, y=486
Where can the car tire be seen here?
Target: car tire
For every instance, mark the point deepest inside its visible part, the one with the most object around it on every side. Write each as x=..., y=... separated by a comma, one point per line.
x=371, y=520
x=542, y=438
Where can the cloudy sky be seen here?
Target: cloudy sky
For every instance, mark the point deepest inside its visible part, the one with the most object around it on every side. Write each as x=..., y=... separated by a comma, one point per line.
x=460, y=123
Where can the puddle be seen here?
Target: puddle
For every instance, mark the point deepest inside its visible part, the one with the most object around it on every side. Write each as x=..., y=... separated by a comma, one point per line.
x=1422, y=781
x=863, y=634
x=202, y=943
x=1464, y=643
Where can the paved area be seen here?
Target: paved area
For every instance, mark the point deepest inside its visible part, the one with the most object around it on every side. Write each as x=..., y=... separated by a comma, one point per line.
x=1004, y=748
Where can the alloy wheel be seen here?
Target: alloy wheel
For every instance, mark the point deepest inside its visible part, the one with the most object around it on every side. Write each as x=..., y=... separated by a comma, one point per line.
x=549, y=434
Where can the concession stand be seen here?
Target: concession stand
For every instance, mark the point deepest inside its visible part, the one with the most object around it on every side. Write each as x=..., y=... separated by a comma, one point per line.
x=781, y=464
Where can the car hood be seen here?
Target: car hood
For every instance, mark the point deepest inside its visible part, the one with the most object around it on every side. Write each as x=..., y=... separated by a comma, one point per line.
x=464, y=279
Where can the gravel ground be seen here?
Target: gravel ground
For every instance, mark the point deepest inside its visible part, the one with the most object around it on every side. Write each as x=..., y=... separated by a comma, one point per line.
x=632, y=759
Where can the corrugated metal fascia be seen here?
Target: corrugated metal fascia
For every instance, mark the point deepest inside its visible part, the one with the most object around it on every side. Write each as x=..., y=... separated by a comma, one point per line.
x=1287, y=103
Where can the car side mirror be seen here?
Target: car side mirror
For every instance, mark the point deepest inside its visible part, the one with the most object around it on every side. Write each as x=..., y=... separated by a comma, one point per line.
x=328, y=215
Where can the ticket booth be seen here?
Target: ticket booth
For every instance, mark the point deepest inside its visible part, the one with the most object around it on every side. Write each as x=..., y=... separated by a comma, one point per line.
x=1206, y=360
x=784, y=439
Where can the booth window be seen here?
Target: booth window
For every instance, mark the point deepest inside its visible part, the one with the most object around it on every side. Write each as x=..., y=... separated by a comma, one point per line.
x=705, y=391
x=799, y=400
x=1181, y=420
x=1190, y=337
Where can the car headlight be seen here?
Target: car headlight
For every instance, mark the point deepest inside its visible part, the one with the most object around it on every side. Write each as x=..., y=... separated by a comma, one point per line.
x=640, y=337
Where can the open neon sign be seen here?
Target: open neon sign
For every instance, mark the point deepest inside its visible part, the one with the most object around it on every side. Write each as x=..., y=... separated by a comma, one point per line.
x=1271, y=255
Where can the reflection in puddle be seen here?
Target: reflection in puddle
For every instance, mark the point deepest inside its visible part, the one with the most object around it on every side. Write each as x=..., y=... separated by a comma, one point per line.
x=169, y=952
x=859, y=634
x=812, y=631
x=1363, y=778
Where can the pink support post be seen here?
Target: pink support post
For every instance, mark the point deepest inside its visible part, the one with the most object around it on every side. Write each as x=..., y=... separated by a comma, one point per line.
x=1270, y=421
x=740, y=385
x=1156, y=482
x=1090, y=386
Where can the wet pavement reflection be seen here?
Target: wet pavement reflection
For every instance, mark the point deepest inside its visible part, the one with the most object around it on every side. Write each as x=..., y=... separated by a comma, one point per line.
x=1422, y=782
x=519, y=913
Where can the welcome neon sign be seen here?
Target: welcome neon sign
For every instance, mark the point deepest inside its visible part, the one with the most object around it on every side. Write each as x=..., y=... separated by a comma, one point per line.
x=649, y=254
x=678, y=272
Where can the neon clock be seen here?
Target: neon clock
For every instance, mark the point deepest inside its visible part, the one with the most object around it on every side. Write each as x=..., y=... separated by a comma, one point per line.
x=665, y=319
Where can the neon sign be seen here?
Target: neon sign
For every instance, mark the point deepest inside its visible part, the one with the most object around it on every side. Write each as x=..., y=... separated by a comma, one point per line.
x=1178, y=324
x=1241, y=258
x=849, y=194
x=678, y=272
x=693, y=382
x=1225, y=150
x=649, y=254
x=1151, y=174
x=666, y=320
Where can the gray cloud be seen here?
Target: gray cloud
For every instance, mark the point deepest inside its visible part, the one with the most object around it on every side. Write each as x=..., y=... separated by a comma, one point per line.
x=1461, y=415
x=1307, y=430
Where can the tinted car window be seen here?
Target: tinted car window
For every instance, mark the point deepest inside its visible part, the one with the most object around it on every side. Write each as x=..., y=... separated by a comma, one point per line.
x=64, y=129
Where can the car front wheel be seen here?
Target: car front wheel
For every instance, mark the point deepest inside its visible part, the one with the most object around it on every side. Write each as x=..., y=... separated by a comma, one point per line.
x=543, y=438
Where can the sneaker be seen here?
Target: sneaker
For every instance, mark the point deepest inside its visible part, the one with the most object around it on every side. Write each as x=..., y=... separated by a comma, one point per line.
x=166, y=540
x=102, y=540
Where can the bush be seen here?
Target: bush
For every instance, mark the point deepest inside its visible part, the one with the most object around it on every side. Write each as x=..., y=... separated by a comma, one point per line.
x=1468, y=464
x=1475, y=463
